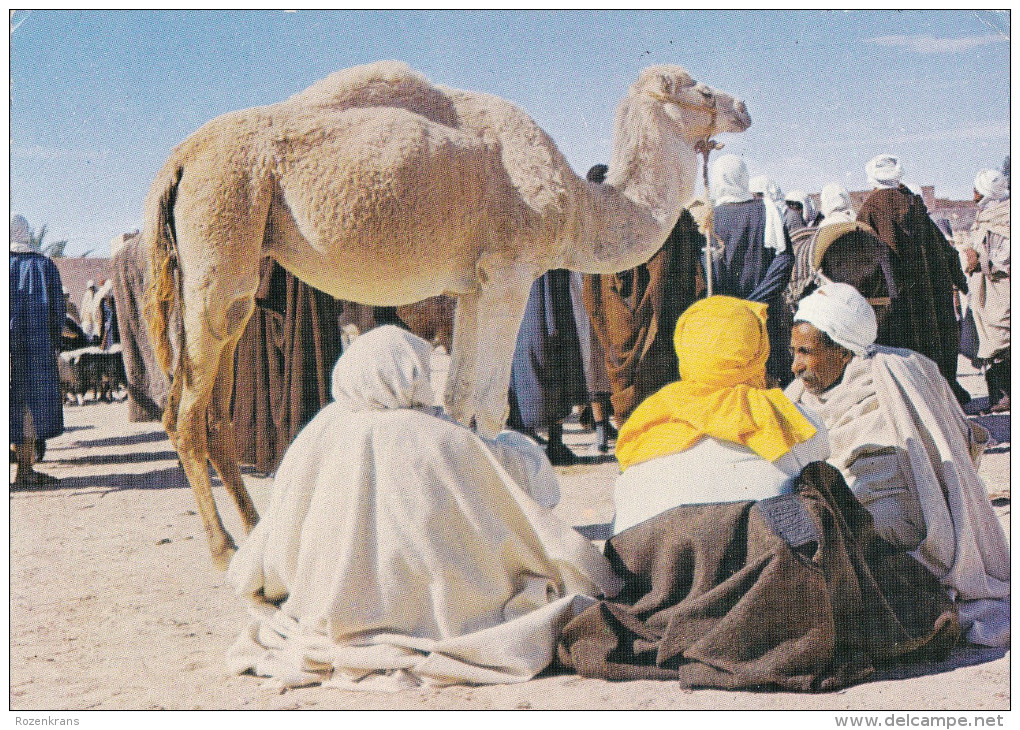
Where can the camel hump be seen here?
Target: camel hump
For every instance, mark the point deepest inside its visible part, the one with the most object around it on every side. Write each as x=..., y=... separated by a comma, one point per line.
x=383, y=83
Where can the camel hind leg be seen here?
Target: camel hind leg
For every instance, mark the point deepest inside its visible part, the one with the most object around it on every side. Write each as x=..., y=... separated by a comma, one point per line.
x=220, y=431
x=196, y=442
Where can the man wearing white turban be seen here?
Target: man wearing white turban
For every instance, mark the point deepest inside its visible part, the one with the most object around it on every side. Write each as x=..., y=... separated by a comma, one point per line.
x=925, y=269
x=762, y=186
x=884, y=171
x=800, y=211
x=906, y=451
x=836, y=205
x=757, y=258
x=986, y=262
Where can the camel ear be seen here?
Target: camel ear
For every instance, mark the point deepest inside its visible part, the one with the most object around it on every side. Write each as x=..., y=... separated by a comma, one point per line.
x=664, y=81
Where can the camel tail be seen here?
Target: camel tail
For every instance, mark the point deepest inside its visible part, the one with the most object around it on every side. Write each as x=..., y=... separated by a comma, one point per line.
x=163, y=303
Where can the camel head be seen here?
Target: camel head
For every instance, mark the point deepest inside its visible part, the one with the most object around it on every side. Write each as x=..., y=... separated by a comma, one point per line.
x=698, y=110
x=653, y=169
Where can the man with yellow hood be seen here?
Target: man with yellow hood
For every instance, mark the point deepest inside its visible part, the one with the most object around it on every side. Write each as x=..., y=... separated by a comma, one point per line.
x=718, y=434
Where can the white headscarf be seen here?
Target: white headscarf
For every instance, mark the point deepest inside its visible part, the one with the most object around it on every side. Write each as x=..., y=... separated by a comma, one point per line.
x=769, y=189
x=992, y=185
x=21, y=235
x=728, y=179
x=809, y=213
x=385, y=368
x=841, y=312
x=836, y=205
x=884, y=171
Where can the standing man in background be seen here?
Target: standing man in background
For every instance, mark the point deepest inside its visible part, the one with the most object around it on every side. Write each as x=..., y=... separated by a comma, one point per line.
x=922, y=316
x=37, y=318
x=987, y=268
x=757, y=257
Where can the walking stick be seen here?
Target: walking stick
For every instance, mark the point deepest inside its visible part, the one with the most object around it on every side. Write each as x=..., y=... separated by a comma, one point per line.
x=704, y=148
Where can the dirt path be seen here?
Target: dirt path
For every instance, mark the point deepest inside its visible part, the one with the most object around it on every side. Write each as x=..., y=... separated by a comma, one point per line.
x=114, y=604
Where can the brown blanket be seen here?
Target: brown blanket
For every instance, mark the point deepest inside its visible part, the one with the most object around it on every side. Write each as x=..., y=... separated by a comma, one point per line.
x=794, y=592
x=147, y=385
x=634, y=313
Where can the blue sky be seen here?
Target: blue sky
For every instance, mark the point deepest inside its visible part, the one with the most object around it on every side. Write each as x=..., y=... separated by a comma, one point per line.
x=100, y=98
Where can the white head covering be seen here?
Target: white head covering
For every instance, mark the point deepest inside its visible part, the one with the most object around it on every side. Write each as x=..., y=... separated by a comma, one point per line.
x=90, y=284
x=836, y=205
x=729, y=183
x=992, y=185
x=21, y=234
x=759, y=184
x=770, y=189
x=728, y=180
x=808, y=206
x=799, y=196
x=841, y=312
x=385, y=368
x=884, y=171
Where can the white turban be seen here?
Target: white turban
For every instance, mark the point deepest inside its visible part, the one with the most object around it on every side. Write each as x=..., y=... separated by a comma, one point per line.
x=806, y=204
x=20, y=232
x=884, y=171
x=841, y=312
x=836, y=204
x=728, y=179
x=992, y=185
x=768, y=188
x=759, y=184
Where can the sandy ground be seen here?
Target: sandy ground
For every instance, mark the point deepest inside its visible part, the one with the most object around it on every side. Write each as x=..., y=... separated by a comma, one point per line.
x=115, y=605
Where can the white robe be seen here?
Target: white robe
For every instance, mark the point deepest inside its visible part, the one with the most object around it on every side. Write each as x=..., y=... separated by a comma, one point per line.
x=711, y=471
x=905, y=448
x=400, y=549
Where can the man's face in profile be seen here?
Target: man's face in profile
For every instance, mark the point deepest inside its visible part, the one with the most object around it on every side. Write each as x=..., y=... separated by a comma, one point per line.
x=817, y=361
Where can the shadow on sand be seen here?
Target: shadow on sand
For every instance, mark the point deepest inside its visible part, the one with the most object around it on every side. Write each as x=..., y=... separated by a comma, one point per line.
x=140, y=457
x=169, y=478
x=964, y=655
x=147, y=437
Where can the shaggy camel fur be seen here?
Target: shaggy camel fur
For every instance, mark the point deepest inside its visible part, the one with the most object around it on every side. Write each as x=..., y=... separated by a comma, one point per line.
x=376, y=186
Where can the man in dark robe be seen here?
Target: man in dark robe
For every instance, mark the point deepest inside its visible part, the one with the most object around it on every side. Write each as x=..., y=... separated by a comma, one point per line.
x=283, y=365
x=925, y=268
x=757, y=257
x=634, y=313
x=36, y=320
x=547, y=376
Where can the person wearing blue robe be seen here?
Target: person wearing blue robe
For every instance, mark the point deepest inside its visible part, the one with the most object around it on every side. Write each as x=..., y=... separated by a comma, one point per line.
x=756, y=258
x=547, y=377
x=36, y=319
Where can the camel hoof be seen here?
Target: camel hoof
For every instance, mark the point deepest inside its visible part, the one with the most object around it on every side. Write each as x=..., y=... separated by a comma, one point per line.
x=221, y=558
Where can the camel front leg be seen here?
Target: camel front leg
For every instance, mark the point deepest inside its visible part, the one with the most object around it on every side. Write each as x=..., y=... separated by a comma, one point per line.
x=460, y=380
x=500, y=311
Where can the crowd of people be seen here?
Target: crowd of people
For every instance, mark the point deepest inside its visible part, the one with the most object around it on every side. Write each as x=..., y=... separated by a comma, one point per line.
x=798, y=499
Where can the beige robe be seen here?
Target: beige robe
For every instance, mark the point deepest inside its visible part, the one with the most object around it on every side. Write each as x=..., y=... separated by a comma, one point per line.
x=909, y=453
x=401, y=549
x=989, y=283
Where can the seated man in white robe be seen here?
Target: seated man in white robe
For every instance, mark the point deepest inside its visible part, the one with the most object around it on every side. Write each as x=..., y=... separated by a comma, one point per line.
x=400, y=548
x=906, y=450
x=719, y=434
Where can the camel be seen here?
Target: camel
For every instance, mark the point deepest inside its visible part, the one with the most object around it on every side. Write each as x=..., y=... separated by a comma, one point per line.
x=376, y=186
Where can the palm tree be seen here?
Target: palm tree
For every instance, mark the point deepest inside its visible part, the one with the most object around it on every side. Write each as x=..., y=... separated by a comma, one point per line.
x=53, y=250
